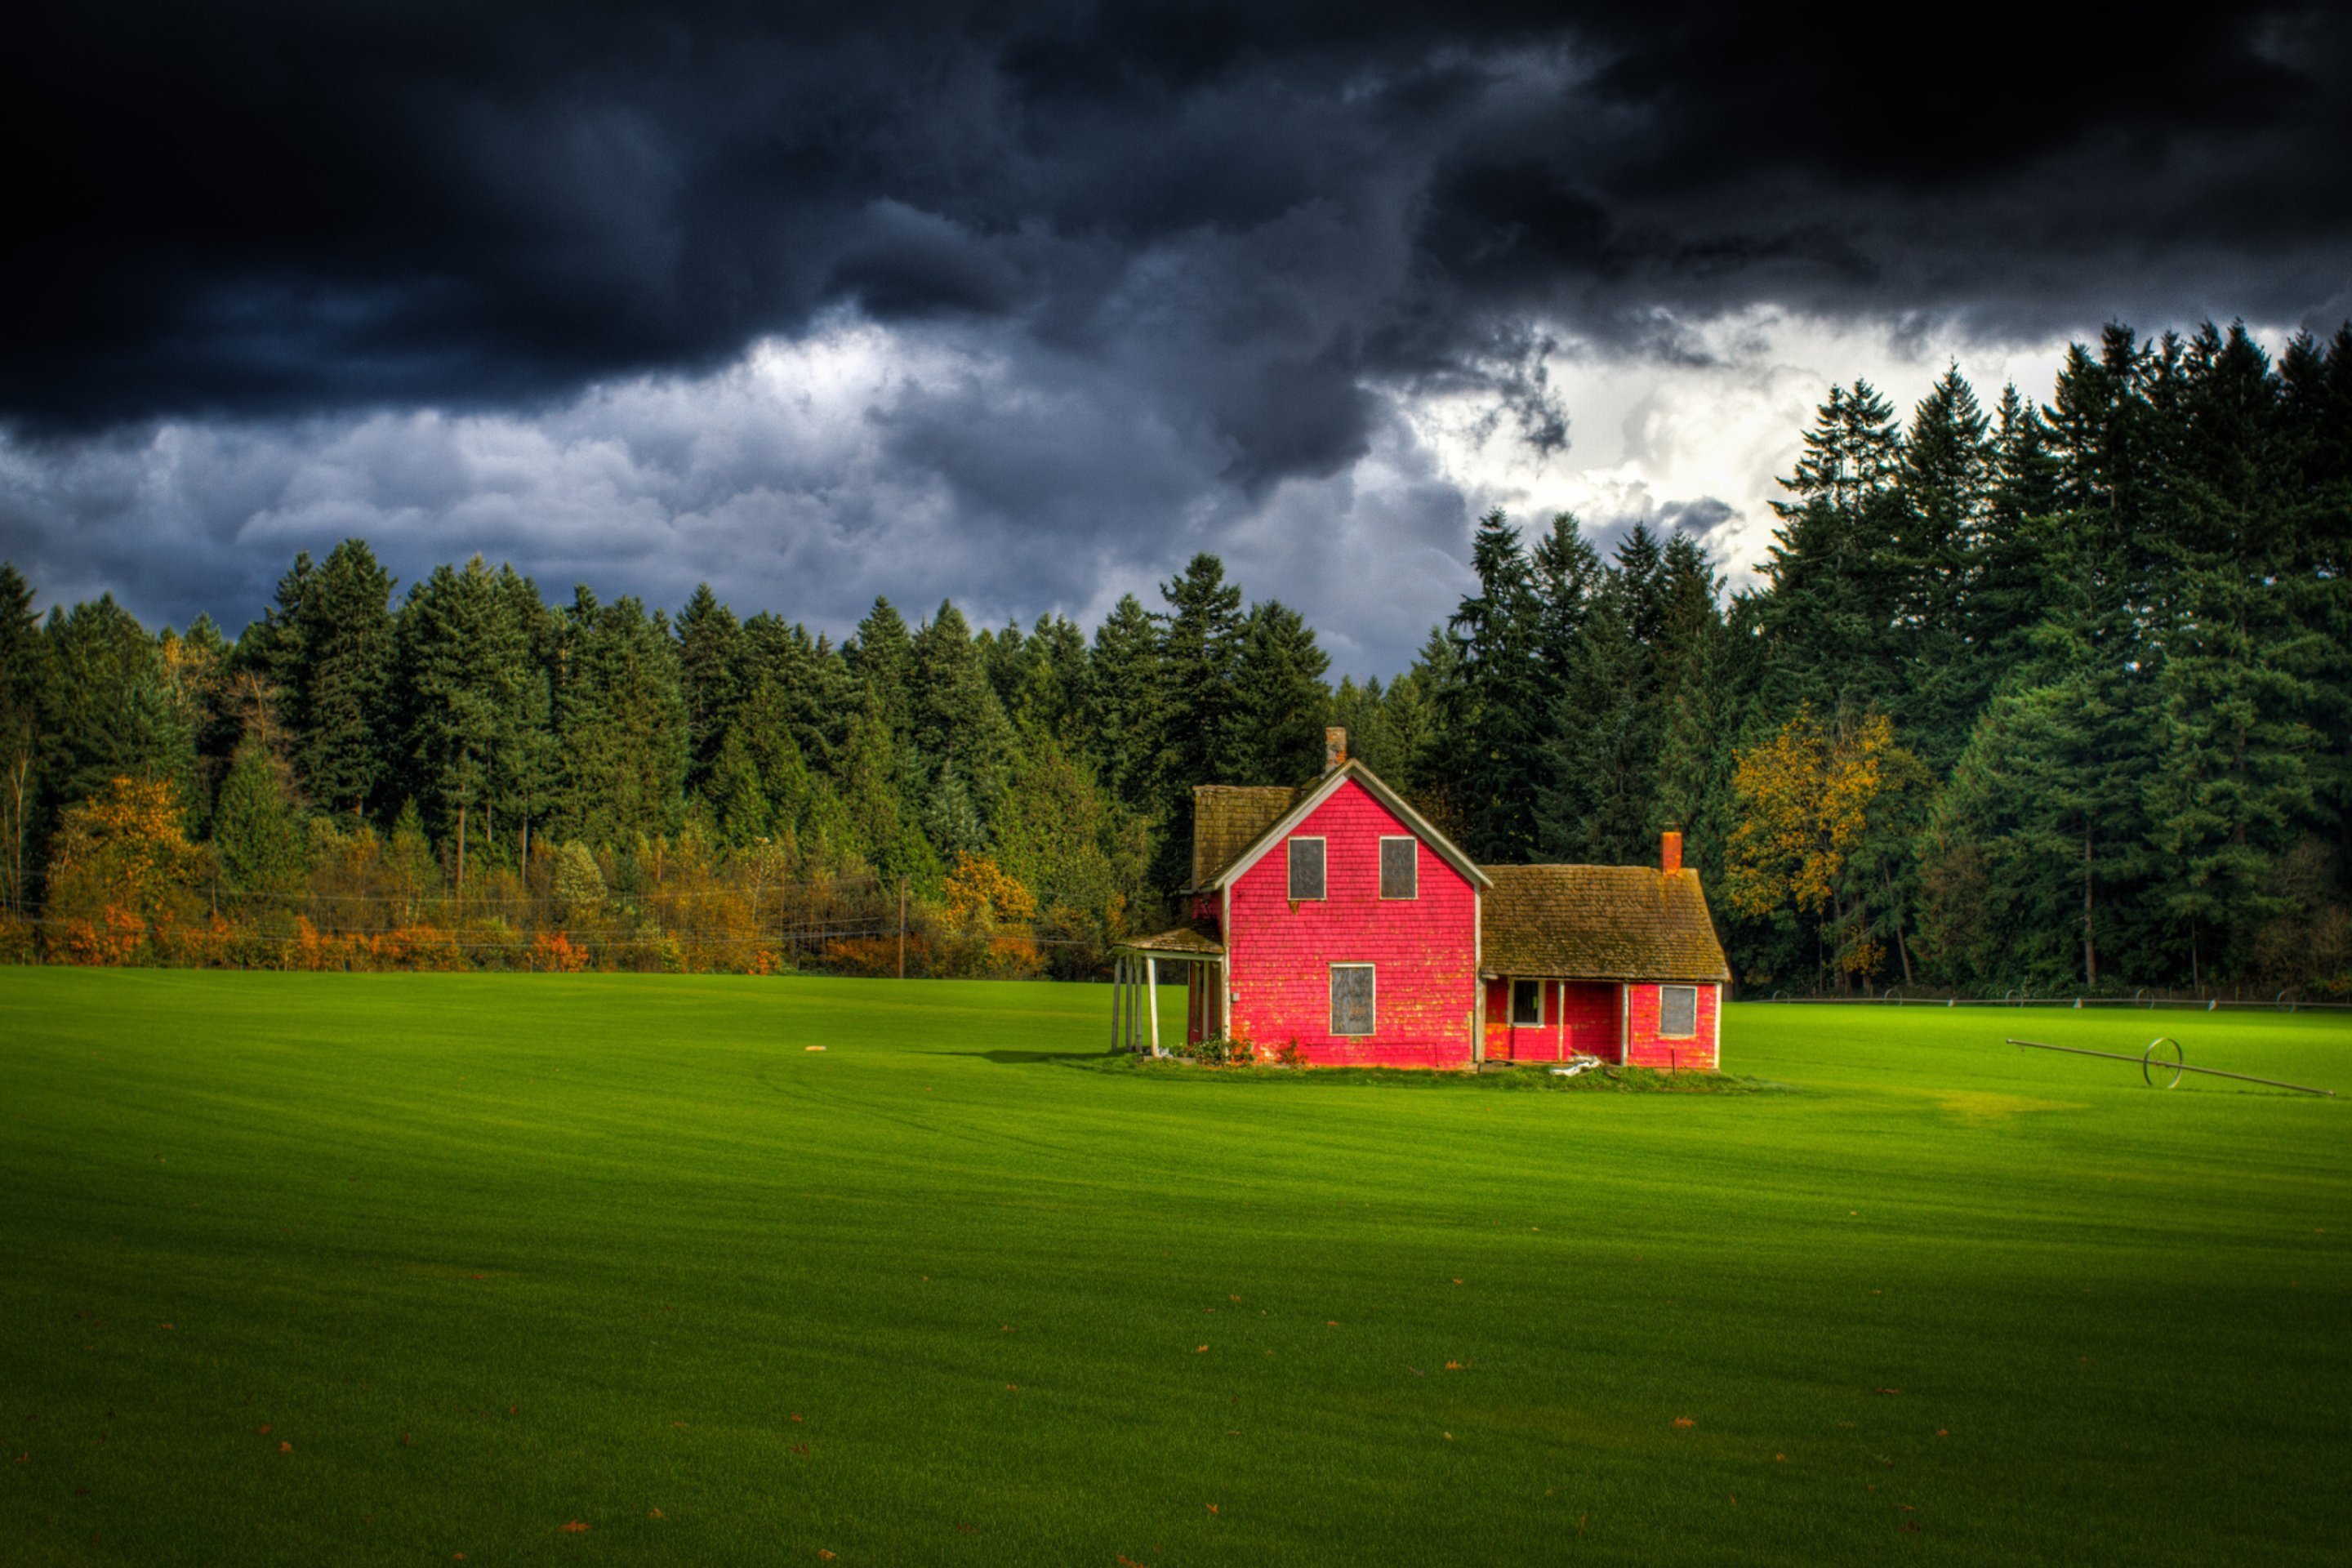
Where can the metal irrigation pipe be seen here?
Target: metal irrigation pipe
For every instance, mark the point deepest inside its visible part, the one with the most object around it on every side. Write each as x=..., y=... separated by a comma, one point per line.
x=2152, y=1063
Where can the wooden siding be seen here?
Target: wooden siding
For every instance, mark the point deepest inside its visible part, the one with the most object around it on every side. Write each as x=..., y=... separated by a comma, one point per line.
x=1424, y=948
x=1648, y=1048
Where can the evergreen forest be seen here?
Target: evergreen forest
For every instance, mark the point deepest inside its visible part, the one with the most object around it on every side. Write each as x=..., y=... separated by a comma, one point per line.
x=2054, y=698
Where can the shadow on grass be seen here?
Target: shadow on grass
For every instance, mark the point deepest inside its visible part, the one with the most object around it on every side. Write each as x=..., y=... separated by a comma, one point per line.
x=1605, y=1079
x=1019, y=1058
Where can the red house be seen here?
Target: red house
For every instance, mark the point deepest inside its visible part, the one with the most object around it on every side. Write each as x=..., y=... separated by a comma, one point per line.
x=1338, y=921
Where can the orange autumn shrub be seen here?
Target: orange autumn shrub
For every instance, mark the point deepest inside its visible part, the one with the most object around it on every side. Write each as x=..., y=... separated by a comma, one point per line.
x=417, y=947
x=556, y=954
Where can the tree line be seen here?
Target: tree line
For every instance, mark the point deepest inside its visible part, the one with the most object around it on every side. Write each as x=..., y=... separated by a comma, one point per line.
x=2042, y=696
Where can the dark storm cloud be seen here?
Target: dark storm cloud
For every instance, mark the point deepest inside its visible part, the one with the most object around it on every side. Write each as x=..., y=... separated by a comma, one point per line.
x=1208, y=252
x=244, y=208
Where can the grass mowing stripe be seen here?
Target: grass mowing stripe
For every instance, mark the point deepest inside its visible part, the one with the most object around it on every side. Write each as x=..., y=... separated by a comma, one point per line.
x=590, y=1243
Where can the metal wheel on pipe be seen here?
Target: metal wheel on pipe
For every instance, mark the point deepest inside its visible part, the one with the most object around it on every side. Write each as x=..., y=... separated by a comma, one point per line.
x=2162, y=1060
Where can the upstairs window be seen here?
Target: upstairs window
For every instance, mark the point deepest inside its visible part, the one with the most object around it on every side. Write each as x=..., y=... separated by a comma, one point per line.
x=1399, y=867
x=1678, y=1011
x=1527, y=1002
x=1353, y=1001
x=1306, y=868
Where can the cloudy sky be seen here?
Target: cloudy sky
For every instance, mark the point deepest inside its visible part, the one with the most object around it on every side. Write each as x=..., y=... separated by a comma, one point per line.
x=1024, y=303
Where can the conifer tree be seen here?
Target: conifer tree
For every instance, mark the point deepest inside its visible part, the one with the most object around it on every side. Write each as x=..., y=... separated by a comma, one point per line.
x=1280, y=700
x=326, y=644
x=1126, y=704
x=957, y=726
x=709, y=654
x=1494, y=719
x=464, y=661
x=256, y=830
x=881, y=656
x=109, y=712
x=24, y=689
x=622, y=724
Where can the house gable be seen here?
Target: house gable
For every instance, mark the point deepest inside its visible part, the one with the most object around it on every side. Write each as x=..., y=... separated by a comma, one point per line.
x=1286, y=826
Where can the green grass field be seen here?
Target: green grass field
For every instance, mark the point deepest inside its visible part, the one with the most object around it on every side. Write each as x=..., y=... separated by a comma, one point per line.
x=327, y=1270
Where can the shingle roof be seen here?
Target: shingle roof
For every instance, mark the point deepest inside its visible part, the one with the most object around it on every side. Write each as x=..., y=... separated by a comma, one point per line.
x=1183, y=941
x=1228, y=819
x=1598, y=922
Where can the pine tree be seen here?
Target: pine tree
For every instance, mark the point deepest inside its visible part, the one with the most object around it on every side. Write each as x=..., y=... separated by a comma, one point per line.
x=1567, y=573
x=109, y=712
x=957, y=726
x=1200, y=648
x=1944, y=491
x=326, y=647
x=464, y=661
x=1493, y=720
x=2006, y=599
x=23, y=692
x=1125, y=705
x=1280, y=700
x=622, y=724
x=881, y=656
x=1826, y=617
x=710, y=653
x=256, y=832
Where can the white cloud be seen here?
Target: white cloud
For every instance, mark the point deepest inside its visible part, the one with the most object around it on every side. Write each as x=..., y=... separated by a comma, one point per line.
x=1719, y=419
x=927, y=461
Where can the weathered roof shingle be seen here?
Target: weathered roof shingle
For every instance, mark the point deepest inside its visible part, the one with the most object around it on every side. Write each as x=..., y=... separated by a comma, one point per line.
x=1599, y=922
x=1228, y=819
x=1184, y=941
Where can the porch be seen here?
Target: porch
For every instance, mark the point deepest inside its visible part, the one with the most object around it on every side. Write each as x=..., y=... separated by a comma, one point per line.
x=1549, y=1018
x=1138, y=965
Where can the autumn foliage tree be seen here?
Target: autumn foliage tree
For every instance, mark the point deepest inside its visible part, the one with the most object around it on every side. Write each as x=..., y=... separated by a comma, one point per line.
x=123, y=879
x=1808, y=799
x=986, y=917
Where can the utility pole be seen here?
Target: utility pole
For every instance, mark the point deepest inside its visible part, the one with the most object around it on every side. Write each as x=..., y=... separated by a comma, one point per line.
x=902, y=927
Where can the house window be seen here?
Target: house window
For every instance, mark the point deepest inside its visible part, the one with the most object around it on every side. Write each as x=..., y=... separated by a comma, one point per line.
x=1677, y=1011
x=1399, y=867
x=1306, y=868
x=1527, y=1002
x=1353, y=1003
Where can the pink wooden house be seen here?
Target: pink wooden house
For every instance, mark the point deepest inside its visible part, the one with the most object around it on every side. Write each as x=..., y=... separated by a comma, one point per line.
x=1338, y=920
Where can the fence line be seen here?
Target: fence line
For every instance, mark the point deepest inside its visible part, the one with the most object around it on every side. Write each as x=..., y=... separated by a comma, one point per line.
x=2285, y=1002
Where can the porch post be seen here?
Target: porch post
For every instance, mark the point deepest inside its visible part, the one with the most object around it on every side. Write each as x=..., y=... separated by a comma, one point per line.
x=1116, y=963
x=1477, y=1019
x=1151, y=997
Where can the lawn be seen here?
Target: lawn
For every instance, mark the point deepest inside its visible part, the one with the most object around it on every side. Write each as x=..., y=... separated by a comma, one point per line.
x=312, y=1269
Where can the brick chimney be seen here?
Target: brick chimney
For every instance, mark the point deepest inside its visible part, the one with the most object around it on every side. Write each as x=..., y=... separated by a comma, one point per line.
x=1335, y=747
x=1670, y=851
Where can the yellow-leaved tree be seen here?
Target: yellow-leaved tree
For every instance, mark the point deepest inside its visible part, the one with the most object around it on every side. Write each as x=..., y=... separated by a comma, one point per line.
x=1808, y=799
x=123, y=876
x=987, y=913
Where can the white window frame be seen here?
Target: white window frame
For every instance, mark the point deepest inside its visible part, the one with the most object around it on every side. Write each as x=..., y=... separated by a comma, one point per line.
x=1543, y=995
x=1332, y=1022
x=1290, y=867
x=1387, y=839
x=1693, y=1034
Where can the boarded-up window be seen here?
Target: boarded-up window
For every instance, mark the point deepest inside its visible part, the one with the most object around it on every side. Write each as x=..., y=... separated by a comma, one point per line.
x=1306, y=868
x=1399, y=867
x=1526, y=1001
x=1678, y=1011
x=1352, y=1002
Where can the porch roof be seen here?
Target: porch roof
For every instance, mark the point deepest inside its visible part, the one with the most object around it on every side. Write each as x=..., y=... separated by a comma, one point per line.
x=1182, y=942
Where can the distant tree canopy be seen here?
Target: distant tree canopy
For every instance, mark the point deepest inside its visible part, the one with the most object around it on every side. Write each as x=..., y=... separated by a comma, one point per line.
x=2040, y=696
